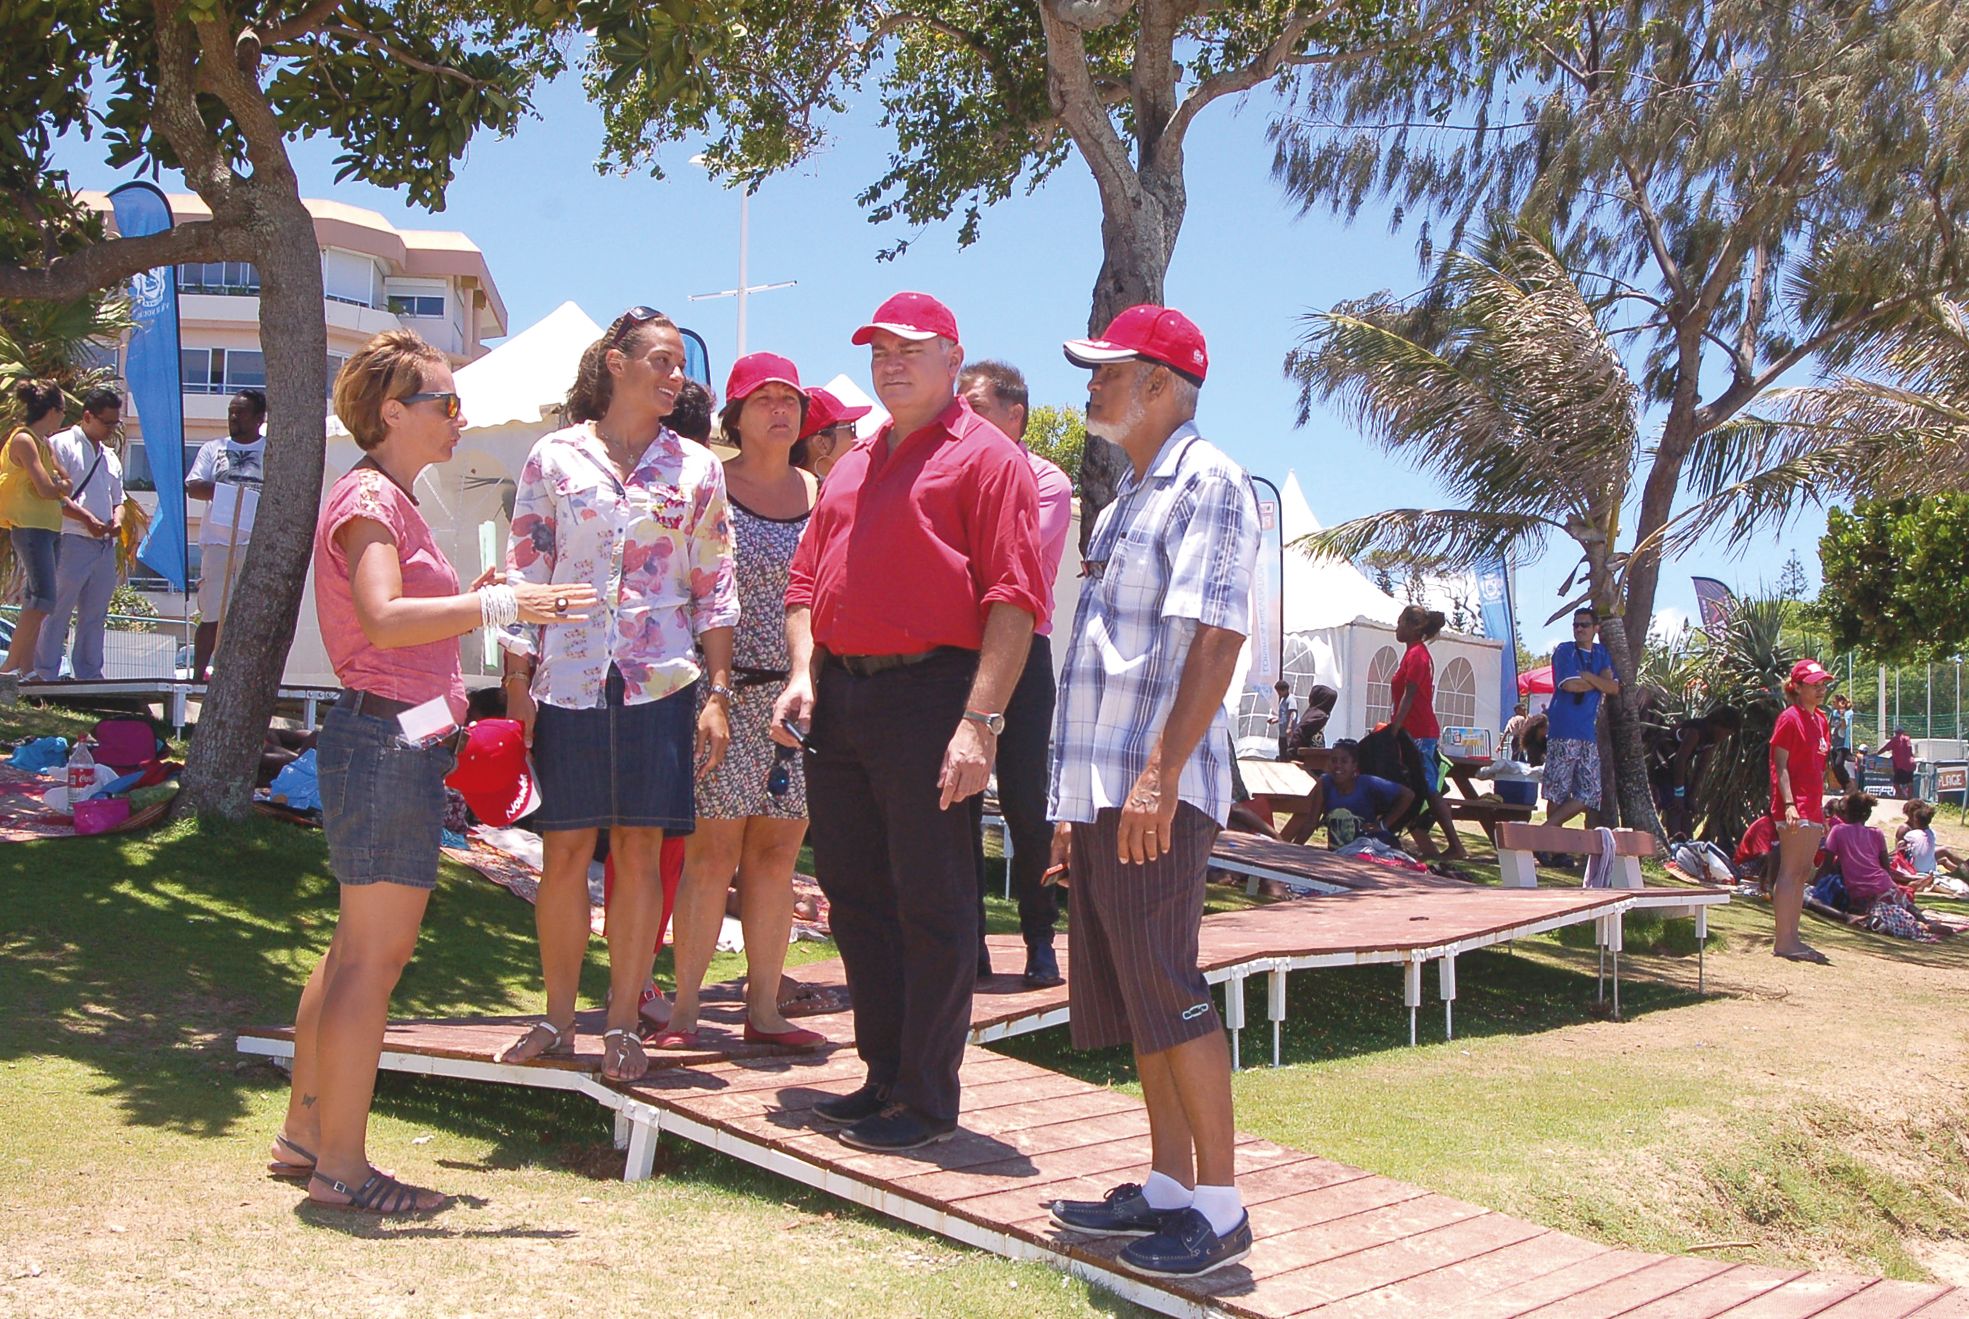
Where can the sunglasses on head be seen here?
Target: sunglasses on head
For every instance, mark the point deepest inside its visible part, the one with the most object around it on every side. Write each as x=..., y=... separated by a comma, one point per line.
x=452, y=403
x=627, y=321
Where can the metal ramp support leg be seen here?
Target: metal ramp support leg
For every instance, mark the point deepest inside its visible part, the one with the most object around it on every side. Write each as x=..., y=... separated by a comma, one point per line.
x=1446, y=985
x=1610, y=931
x=1702, y=947
x=1275, y=992
x=1005, y=846
x=644, y=1127
x=1412, y=993
x=623, y=1128
x=1234, y=1014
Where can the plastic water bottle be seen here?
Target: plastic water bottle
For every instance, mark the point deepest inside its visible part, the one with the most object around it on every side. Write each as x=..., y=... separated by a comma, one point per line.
x=81, y=770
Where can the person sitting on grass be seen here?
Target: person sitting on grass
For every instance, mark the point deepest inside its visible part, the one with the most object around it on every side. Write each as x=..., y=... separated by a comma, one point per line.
x=1351, y=804
x=1917, y=842
x=1858, y=853
x=1756, y=859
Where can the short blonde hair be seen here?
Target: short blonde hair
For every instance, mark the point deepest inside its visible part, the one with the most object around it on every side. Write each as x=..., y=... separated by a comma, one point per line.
x=389, y=366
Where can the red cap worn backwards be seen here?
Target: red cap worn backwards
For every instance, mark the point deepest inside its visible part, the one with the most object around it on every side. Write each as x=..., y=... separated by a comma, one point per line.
x=494, y=774
x=1148, y=333
x=911, y=315
x=824, y=410
x=756, y=369
x=1808, y=673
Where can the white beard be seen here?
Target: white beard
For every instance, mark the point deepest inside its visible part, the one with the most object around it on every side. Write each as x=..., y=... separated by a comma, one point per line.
x=1127, y=423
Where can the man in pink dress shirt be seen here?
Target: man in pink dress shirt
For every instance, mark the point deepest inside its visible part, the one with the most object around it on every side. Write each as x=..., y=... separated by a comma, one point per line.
x=997, y=392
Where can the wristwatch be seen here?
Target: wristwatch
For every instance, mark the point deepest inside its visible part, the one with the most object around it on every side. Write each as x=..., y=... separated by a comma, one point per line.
x=719, y=689
x=994, y=723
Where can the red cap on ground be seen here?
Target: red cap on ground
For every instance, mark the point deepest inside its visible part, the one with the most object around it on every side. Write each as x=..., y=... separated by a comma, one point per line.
x=494, y=774
x=1808, y=673
x=824, y=410
x=1148, y=332
x=756, y=369
x=911, y=315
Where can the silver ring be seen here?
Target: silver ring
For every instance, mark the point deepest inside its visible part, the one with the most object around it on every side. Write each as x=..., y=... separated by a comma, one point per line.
x=560, y=604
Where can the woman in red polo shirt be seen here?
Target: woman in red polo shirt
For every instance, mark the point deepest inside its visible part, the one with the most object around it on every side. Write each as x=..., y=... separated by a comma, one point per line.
x=1799, y=746
x=1412, y=692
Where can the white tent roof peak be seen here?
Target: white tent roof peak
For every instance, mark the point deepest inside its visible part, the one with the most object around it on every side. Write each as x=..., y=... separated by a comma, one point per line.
x=1323, y=593
x=527, y=375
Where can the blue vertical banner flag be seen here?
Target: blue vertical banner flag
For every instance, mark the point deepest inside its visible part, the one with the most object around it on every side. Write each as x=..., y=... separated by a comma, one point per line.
x=152, y=372
x=1500, y=624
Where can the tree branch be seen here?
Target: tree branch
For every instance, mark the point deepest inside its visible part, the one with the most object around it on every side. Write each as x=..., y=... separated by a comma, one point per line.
x=382, y=47
x=1083, y=110
x=305, y=23
x=110, y=262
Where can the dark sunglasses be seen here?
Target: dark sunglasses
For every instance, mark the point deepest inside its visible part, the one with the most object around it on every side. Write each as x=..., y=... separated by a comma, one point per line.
x=453, y=405
x=780, y=779
x=628, y=320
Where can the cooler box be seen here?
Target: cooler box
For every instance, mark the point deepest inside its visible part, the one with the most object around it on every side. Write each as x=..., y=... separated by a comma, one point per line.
x=1519, y=792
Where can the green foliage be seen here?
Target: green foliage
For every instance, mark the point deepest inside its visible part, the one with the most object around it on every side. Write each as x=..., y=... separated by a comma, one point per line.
x=1059, y=434
x=130, y=610
x=1893, y=582
x=55, y=341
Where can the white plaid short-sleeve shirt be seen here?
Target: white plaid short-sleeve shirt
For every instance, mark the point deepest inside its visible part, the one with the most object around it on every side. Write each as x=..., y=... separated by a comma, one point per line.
x=1175, y=549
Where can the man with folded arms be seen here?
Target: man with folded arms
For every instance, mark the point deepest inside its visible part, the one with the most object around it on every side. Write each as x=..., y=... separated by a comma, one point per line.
x=909, y=609
x=1141, y=779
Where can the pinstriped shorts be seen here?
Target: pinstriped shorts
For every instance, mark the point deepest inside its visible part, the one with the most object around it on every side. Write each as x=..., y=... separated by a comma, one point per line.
x=1132, y=976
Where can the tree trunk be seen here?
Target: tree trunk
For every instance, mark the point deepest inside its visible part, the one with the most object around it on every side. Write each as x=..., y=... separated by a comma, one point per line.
x=259, y=623
x=1636, y=798
x=1136, y=245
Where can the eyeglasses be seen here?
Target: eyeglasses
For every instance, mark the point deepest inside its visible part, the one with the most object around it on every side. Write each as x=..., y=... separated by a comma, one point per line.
x=453, y=405
x=628, y=320
x=781, y=777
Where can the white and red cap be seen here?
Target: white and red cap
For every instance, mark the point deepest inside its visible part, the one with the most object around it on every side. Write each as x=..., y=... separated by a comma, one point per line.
x=756, y=369
x=1147, y=333
x=1809, y=673
x=494, y=773
x=824, y=410
x=912, y=316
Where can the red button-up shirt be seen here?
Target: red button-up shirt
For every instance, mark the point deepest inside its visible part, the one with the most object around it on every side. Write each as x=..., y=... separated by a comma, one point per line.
x=908, y=550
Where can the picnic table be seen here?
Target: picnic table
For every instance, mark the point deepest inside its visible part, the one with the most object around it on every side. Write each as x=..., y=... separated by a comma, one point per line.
x=1487, y=808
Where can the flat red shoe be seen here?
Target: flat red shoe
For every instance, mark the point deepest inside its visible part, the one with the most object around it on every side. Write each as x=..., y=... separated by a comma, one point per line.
x=676, y=1040
x=791, y=1038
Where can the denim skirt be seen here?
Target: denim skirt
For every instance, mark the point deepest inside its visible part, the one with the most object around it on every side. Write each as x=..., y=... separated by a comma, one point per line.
x=617, y=765
x=382, y=800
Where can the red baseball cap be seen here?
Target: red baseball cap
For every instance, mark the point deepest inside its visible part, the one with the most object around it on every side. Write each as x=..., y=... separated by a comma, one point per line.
x=824, y=410
x=494, y=773
x=1149, y=333
x=1808, y=673
x=911, y=315
x=756, y=369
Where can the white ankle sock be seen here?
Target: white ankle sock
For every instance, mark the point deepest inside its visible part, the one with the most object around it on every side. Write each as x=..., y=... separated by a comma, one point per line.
x=1222, y=1205
x=1164, y=1192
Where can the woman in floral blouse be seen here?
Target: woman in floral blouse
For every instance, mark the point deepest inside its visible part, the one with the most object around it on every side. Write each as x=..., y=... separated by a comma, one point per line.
x=619, y=502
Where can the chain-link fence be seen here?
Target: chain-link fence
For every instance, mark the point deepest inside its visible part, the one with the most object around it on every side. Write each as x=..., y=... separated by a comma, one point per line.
x=134, y=648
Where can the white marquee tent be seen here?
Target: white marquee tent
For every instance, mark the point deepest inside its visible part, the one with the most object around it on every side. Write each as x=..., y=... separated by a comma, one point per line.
x=1340, y=631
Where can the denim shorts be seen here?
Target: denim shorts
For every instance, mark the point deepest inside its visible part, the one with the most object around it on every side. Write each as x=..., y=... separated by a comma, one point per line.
x=34, y=550
x=1432, y=763
x=382, y=800
x=617, y=765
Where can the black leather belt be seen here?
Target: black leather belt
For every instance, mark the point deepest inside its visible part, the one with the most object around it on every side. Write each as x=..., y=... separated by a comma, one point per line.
x=867, y=666
x=744, y=677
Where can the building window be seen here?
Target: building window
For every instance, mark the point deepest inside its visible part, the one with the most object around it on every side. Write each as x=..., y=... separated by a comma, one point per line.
x=221, y=370
x=136, y=466
x=348, y=277
x=417, y=304
x=233, y=278
x=1380, y=701
x=102, y=355
x=335, y=363
x=1456, y=695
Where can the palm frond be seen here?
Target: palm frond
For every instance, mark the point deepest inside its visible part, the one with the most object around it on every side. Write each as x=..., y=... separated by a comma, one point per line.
x=1451, y=539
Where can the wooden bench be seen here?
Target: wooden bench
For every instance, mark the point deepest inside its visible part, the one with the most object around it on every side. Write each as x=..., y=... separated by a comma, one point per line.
x=1516, y=842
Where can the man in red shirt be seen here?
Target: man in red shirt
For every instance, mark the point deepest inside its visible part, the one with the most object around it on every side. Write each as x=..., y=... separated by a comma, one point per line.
x=1900, y=758
x=909, y=611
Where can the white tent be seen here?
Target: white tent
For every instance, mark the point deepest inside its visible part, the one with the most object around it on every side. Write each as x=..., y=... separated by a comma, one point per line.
x=509, y=398
x=1340, y=631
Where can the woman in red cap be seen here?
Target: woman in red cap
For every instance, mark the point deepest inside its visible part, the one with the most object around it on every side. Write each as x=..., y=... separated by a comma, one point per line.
x=828, y=433
x=1799, y=746
x=752, y=806
x=391, y=614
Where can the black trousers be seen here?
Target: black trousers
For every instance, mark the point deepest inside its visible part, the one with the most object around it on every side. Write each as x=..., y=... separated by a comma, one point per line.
x=1022, y=771
x=897, y=869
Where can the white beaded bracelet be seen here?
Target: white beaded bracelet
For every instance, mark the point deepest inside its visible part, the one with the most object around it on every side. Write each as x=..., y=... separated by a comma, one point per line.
x=499, y=606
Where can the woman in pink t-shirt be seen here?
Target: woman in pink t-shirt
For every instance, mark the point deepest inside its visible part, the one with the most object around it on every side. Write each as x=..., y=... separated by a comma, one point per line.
x=1799, y=746
x=391, y=614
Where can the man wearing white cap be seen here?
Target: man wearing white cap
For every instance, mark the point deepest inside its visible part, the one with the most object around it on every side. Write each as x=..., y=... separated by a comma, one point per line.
x=909, y=609
x=1141, y=781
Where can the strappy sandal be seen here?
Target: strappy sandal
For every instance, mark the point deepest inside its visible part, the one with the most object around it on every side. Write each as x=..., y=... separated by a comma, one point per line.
x=301, y=1168
x=379, y=1193
x=560, y=1043
x=620, y=1045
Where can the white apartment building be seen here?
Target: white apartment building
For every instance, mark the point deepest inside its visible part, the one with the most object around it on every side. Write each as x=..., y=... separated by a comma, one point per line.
x=375, y=277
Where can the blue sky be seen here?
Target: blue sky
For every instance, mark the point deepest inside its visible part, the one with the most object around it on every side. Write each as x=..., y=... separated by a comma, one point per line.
x=1246, y=269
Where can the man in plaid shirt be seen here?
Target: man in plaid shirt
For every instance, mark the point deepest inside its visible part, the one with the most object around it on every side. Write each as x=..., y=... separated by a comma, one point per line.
x=1141, y=781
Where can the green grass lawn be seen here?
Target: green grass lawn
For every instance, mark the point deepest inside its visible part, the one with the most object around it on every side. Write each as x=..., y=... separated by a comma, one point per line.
x=134, y=1135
